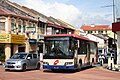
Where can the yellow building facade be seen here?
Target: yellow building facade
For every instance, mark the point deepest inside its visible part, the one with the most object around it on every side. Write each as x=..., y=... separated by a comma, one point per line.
x=14, y=36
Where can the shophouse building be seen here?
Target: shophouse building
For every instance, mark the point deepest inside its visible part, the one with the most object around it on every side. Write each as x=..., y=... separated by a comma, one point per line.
x=23, y=29
x=14, y=28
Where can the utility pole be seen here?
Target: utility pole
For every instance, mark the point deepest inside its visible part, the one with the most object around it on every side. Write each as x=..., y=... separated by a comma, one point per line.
x=114, y=20
x=114, y=40
x=114, y=11
x=113, y=58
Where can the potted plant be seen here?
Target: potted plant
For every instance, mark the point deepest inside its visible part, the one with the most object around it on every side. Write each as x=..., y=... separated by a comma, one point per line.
x=2, y=58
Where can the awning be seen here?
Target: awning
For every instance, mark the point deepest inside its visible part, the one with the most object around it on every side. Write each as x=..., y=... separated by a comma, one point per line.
x=54, y=25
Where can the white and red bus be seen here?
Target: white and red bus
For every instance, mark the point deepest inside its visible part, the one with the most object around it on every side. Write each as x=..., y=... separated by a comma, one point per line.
x=68, y=51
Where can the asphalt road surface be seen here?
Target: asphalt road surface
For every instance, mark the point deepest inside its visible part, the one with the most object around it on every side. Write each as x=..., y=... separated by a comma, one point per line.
x=96, y=73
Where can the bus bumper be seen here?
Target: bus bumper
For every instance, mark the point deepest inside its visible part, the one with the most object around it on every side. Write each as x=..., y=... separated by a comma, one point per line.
x=57, y=67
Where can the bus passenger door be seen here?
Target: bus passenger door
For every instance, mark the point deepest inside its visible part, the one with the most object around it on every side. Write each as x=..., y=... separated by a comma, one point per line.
x=88, y=53
x=76, y=54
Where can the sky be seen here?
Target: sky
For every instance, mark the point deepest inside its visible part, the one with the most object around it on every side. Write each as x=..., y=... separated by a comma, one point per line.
x=74, y=12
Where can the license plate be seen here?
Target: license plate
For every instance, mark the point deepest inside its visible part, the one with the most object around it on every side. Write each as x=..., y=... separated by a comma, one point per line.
x=56, y=67
x=10, y=66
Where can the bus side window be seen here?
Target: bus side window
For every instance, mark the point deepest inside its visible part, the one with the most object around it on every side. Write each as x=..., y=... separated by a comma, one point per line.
x=76, y=44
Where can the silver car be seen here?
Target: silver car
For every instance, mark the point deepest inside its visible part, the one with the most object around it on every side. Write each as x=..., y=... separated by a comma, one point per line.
x=22, y=61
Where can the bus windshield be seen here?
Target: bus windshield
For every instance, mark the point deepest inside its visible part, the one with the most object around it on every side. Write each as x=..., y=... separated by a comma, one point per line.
x=58, y=49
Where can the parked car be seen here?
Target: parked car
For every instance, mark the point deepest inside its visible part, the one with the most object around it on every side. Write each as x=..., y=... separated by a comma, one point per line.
x=22, y=61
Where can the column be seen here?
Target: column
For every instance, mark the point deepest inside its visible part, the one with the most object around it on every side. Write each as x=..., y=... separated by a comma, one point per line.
x=8, y=31
x=8, y=25
x=27, y=47
x=7, y=51
x=15, y=50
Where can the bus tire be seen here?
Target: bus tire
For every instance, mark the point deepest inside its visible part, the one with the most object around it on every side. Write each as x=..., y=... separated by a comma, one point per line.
x=80, y=64
x=92, y=64
x=53, y=70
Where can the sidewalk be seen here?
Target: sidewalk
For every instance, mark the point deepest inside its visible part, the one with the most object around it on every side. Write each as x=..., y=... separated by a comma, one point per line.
x=105, y=67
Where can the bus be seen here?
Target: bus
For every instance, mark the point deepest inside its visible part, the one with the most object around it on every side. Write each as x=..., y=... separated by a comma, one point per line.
x=68, y=51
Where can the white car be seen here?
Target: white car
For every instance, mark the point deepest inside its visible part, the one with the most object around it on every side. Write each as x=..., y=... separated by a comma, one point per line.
x=22, y=61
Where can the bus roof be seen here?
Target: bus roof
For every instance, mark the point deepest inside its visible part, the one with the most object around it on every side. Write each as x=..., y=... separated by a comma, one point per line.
x=70, y=35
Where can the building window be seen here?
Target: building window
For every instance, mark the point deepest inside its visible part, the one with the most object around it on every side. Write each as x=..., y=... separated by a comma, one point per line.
x=35, y=27
x=24, y=29
x=12, y=26
x=41, y=27
x=90, y=32
x=100, y=32
x=106, y=32
x=19, y=28
x=24, y=26
x=2, y=26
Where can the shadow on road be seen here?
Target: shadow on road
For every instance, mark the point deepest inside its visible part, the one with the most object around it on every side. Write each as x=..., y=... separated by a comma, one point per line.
x=67, y=71
x=28, y=70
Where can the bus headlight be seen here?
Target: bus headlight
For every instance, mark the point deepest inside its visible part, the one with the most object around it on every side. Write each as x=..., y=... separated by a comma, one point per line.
x=45, y=63
x=68, y=63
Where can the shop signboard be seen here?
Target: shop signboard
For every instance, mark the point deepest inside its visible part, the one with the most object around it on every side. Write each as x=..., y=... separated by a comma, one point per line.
x=17, y=39
x=30, y=28
x=12, y=38
x=4, y=38
x=49, y=30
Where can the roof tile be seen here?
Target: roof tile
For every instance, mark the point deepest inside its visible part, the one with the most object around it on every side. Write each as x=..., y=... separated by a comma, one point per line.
x=96, y=27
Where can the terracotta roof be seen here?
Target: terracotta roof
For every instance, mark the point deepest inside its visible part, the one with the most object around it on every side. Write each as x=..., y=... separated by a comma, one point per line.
x=96, y=27
x=54, y=25
x=57, y=22
x=66, y=24
x=7, y=13
x=30, y=12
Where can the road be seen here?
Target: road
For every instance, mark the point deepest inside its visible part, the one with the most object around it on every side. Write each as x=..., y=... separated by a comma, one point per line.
x=96, y=73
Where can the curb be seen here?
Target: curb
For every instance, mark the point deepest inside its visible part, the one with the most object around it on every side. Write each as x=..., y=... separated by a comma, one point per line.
x=113, y=69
